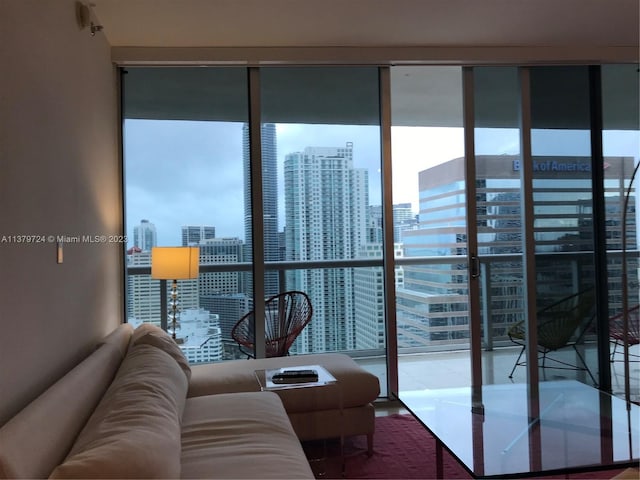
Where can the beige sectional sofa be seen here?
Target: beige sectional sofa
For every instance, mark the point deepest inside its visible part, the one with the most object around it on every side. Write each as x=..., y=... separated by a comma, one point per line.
x=135, y=408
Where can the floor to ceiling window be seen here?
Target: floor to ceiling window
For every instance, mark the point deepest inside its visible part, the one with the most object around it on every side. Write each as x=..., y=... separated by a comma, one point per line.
x=321, y=181
x=183, y=158
x=192, y=157
x=196, y=141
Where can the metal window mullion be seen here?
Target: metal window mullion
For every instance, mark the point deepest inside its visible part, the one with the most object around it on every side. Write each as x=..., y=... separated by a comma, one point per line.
x=388, y=245
x=529, y=269
x=472, y=229
x=599, y=222
x=528, y=239
x=257, y=211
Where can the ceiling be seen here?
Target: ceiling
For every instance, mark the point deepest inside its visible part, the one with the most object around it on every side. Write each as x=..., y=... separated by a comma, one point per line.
x=368, y=23
x=363, y=25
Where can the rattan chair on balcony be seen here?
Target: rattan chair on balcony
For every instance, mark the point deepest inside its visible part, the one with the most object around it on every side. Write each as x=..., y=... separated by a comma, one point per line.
x=617, y=334
x=560, y=325
x=286, y=315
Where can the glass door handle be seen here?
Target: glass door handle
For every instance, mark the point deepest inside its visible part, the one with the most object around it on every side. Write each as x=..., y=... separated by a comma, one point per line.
x=474, y=266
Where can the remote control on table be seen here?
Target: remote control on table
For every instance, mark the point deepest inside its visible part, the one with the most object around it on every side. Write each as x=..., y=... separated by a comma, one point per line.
x=295, y=376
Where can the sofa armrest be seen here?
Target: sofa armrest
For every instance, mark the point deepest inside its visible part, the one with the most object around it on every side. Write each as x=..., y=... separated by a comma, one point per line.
x=39, y=437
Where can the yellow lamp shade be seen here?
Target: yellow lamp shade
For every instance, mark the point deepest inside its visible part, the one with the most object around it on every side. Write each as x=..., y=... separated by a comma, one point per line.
x=175, y=263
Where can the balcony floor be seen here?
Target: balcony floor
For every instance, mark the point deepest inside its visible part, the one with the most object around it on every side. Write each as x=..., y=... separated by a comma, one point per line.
x=453, y=369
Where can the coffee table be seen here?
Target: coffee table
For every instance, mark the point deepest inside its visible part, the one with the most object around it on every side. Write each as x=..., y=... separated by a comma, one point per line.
x=577, y=428
x=325, y=380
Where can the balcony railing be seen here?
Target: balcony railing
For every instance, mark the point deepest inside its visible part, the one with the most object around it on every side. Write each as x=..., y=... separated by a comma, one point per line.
x=501, y=289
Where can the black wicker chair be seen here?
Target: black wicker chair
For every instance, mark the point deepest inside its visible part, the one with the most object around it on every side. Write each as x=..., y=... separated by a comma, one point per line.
x=286, y=315
x=561, y=324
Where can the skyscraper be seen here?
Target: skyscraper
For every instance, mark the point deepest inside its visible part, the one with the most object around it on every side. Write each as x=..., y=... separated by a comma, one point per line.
x=145, y=236
x=195, y=234
x=433, y=305
x=326, y=201
x=403, y=219
x=143, y=293
x=269, y=202
x=229, y=308
x=221, y=250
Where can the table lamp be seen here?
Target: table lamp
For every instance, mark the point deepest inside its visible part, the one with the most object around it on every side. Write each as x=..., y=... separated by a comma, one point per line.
x=175, y=263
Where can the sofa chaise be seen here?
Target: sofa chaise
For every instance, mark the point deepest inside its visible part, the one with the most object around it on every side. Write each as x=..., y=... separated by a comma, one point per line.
x=135, y=408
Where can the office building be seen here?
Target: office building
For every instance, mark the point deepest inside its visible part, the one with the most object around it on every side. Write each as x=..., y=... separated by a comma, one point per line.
x=221, y=250
x=432, y=306
x=195, y=234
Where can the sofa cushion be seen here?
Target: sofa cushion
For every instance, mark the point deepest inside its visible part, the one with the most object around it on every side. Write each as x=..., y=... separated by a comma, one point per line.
x=240, y=435
x=135, y=430
x=357, y=386
x=150, y=334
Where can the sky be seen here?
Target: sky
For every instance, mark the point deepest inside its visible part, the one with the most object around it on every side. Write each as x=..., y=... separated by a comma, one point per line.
x=191, y=173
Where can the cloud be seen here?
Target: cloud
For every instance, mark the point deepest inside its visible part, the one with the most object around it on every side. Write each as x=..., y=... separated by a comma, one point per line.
x=184, y=172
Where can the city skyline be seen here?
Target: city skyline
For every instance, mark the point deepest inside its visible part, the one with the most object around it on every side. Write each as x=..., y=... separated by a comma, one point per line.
x=326, y=193
x=206, y=188
x=209, y=188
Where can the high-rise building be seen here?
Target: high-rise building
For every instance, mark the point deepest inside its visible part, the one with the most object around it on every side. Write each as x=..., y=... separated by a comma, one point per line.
x=143, y=293
x=145, y=236
x=369, y=290
x=432, y=307
x=195, y=234
x=326, y=202
x=221, y=250
x=403, y=219
x=229, y=308
x=269, y=203
x=375, y=232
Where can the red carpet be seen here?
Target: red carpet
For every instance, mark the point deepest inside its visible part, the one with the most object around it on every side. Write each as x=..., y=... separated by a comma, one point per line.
x=403, y=449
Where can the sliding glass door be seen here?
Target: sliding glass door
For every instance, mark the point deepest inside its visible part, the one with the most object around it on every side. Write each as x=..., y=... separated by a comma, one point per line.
x=548, y=199
x=621, y=149
x=515, y=174
x=430, y=235
x=498, y=195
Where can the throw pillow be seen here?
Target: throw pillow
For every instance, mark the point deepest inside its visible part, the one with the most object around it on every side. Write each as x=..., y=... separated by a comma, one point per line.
x=149, y=334
x=135, y=431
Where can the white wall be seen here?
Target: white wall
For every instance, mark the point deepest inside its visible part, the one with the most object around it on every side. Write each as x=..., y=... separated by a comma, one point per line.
x=59, y=175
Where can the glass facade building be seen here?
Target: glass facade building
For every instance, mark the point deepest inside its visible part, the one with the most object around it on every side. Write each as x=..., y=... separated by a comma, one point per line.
x=432, y=305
